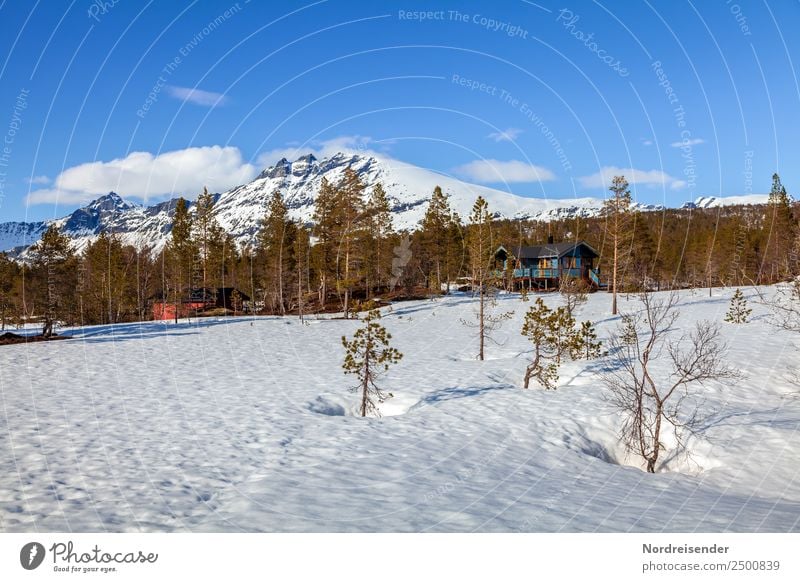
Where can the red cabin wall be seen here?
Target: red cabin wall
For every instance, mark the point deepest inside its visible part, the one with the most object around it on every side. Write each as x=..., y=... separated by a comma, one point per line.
x=166, y=311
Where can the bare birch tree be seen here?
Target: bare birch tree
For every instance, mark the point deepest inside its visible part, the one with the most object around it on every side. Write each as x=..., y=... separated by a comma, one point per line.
x=574, y=293
x=484, y=278
x=652, y=402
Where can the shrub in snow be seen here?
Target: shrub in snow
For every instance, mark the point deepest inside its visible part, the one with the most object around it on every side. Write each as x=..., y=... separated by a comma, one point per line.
x=562, y=326
x=368, y=356
x=536, y=328
x=586, y=345
x=738, y=311
x=627, y=330
x=553, y=336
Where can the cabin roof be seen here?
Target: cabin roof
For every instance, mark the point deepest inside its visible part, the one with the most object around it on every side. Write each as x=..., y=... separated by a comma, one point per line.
x=552, y=250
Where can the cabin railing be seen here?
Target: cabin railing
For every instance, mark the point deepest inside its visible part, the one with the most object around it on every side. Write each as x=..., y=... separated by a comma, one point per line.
x=537, y=273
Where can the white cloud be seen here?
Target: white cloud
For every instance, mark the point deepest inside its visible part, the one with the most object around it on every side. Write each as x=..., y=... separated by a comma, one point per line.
x=492, y=171
x=603, y=178
x=39, y=180
x=510, y=134
x=144, y=175
x=678, y=185
x=197, y=96
x=647, y=142
x=687, y=142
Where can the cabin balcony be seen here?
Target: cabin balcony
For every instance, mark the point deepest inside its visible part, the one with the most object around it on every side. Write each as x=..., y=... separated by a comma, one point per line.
x=550, y=273
x=593, y=275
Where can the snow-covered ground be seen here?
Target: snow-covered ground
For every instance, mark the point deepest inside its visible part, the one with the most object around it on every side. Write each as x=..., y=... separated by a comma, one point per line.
x=246, y=425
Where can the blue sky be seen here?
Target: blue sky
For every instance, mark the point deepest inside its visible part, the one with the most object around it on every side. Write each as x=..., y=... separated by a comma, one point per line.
x=155, y=99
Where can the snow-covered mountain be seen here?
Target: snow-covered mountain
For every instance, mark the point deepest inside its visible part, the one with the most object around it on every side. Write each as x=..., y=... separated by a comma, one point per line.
x=240, y=209
x=714, y=201
x=408, y=187
x=137, y=225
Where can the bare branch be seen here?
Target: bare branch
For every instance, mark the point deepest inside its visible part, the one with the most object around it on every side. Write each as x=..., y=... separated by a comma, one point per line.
x=647, y=401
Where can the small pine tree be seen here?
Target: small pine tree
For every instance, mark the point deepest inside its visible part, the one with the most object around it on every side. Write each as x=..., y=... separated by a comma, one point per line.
x=738, y=311
x=368, y=356
x=565, y=336
x=586, y=344
x=628, y=334
x=538, y=329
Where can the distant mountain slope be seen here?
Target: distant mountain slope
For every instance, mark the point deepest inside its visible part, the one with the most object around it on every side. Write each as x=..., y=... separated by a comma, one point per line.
x=240, y=209
x=714, y=202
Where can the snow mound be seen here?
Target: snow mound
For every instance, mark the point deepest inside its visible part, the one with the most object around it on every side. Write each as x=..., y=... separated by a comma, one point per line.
x=335, y=405
x=328, y=406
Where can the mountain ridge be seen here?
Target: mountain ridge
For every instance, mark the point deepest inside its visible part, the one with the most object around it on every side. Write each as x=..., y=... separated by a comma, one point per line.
x=240, y=209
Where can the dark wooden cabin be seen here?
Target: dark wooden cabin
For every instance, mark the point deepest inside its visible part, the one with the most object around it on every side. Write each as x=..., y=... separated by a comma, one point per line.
x=543, y=267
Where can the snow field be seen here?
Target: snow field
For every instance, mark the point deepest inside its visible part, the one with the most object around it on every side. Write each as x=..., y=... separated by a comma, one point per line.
x=248, y=425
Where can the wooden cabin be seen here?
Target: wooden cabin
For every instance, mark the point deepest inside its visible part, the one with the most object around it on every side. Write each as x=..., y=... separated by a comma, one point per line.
x=543, y=267
x=199, y=300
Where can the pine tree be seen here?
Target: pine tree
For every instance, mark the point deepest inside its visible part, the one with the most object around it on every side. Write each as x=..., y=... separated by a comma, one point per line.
x=738, y=311
x=302, y=247
x=455, y=251
x=586, y=344
x=616, y=211
x=563, y=332
x=206, y=232
x=145, y=276
x=440, y=245
x=379, y=232
x=338, y=218
x=368, y=356
x=781, y=233
x=108, y=289
x=276, y=250
x=351, y=212
x=628, y=334
x=480, y=249
x=181, y=254
x=326, y=227
x=54, y=278
x=226, y=260
x=538, y=329
x=10, y=279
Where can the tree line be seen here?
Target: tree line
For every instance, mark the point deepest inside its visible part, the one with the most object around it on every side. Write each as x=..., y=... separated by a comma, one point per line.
x=350, y=254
